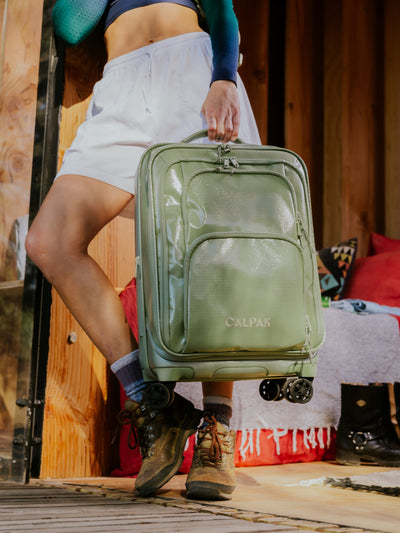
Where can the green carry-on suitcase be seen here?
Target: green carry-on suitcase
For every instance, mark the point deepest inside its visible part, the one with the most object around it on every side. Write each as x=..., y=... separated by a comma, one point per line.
x=226, y=270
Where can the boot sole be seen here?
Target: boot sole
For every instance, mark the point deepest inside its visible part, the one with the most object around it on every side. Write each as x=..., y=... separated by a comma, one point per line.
x=162, y=477
x=356, y=460
x=206, y=490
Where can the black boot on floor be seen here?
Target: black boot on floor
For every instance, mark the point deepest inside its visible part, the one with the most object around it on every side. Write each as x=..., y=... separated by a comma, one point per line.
x=396, y=392
x=365, y=433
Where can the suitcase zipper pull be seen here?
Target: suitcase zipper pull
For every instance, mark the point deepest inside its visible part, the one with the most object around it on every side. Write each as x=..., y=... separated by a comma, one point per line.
x=300, y=229
x=137, y=264
x=225, y=161
x=301, y=232
x=234, y=162
x=223, y=164
x=307, y=341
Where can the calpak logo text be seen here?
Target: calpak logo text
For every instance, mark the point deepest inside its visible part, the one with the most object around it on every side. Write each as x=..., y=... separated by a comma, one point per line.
x=248, y=322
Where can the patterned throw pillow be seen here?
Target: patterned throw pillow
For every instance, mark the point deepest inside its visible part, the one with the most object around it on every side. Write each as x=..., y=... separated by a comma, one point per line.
x=334, y=267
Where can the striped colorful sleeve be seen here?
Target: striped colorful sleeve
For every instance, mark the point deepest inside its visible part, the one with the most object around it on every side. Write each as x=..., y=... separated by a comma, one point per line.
x=224, y=32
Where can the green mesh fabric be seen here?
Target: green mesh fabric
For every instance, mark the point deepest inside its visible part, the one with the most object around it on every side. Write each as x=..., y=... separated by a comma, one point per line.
x=74, y=20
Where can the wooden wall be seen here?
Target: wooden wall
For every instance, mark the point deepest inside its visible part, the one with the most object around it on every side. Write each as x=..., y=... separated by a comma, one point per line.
x=340, y=111
x=20, y=32
x=341, y=107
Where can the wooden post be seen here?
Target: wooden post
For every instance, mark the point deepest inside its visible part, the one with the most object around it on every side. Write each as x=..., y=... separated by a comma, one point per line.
x=254, y=47
x=360, y=110
x=354, y=173
x=392, y=119
x=333, y=124
x=303, y=95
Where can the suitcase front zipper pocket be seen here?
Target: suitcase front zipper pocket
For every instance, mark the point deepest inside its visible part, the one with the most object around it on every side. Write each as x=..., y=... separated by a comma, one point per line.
x=243, y=293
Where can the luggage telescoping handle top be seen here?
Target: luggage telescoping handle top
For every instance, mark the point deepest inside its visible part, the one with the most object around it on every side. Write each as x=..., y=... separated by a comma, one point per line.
x=204, y=133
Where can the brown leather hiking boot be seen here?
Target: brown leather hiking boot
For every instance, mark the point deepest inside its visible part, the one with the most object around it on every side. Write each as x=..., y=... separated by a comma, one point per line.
x=213, y=469
x=162, y=435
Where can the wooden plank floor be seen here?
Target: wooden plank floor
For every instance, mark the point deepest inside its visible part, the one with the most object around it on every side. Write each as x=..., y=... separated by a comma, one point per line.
x=281, y=498
x=34, y=508
x=286, y=495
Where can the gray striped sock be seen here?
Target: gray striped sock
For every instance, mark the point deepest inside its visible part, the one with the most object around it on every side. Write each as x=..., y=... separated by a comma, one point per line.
x=128, y=371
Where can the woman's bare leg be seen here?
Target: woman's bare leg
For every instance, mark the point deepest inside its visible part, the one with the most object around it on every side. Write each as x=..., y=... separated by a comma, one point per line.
x=217, y=400
x=74, y=211
x=218, y=388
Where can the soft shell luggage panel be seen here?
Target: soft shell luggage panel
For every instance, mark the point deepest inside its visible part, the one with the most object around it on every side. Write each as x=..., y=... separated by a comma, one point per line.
x=226, y=270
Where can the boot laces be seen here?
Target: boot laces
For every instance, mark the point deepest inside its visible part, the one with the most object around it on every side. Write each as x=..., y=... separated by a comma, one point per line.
x=124, y=417
x=213, y=453
x=142, y=436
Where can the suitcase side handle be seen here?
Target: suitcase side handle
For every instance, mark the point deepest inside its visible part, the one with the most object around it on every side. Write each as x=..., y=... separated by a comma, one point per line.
x=204, y=133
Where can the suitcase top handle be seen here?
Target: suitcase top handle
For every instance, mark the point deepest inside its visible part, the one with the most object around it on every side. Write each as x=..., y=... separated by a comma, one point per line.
x=204, y=133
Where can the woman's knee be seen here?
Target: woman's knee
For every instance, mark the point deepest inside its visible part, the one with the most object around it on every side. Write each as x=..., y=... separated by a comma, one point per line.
x=41, y=248
x=63, y=229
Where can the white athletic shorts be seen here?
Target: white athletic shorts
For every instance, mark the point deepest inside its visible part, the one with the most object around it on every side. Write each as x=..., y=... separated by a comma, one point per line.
x=151, y=95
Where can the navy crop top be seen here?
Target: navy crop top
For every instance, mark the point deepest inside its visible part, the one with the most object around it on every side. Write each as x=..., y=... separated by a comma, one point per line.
x=115, y=8
x=222, y=26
